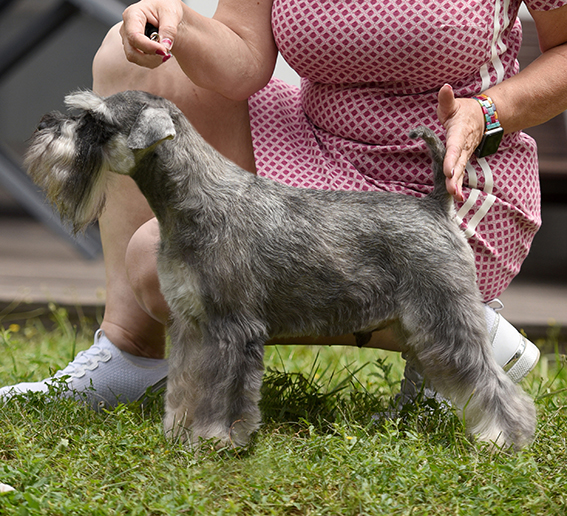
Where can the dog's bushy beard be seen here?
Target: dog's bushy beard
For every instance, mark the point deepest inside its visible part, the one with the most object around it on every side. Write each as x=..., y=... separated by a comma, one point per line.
x=70, y=166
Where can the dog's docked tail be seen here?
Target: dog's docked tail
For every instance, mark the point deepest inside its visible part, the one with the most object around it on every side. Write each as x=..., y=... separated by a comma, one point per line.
x=437, y=150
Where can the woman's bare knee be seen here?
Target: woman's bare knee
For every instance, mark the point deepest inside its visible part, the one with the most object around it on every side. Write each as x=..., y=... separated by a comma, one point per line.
x=113, y=73
x=141, y=267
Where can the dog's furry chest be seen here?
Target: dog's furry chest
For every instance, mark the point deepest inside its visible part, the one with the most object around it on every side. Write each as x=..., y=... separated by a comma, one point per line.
x=180, y=289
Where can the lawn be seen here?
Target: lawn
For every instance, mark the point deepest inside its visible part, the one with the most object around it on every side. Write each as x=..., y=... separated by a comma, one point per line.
x=320, y=450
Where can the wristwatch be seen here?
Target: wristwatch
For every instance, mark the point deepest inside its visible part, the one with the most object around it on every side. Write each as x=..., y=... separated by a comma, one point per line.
x=493, y=131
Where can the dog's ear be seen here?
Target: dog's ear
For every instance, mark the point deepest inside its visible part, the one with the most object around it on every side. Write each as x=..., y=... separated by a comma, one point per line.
x=152, y=126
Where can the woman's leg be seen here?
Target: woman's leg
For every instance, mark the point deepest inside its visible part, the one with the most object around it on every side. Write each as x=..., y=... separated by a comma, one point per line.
x=136, y=312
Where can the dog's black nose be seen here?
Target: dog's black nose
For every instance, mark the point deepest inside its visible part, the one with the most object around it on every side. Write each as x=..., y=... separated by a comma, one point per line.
x=44, y=123
x=49, y=120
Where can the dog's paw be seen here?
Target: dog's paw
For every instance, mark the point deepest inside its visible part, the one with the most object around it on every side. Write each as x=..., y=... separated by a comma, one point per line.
x=235, y=436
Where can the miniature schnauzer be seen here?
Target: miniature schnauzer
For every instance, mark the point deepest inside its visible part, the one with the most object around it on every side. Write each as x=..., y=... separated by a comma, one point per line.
x=243, y=259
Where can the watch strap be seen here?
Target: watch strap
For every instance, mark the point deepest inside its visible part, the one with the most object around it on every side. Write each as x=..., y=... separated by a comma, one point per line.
x=493, y=131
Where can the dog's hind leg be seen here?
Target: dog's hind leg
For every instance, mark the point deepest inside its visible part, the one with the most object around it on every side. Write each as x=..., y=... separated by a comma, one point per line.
x=454, y=351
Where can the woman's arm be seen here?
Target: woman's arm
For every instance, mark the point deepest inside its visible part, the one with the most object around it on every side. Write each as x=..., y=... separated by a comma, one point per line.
x=233, y=53
x=539, y=92
x=533, y=96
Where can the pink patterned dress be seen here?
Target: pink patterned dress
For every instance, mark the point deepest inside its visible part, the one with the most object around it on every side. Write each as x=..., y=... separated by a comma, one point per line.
x=370, y=72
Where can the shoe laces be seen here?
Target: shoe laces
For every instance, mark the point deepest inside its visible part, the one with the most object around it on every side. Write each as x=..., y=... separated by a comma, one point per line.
x=87, y=360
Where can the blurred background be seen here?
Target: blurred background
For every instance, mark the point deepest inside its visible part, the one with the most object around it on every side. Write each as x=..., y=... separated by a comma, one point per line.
x=47, y=51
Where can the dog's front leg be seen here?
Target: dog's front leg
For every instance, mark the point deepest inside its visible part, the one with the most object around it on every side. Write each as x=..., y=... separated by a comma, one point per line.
x=214, y=385
x=182, y=391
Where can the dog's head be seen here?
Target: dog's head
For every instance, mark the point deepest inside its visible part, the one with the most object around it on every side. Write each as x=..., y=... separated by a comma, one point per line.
x=124, y=126
x=70, y=154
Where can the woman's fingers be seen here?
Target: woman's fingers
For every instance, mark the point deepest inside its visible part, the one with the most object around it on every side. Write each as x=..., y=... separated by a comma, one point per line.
x=464, y=123
x=138, y=46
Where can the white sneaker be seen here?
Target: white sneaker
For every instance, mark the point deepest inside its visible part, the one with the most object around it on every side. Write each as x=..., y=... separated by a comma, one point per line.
x=512, y=351
x=102, y=375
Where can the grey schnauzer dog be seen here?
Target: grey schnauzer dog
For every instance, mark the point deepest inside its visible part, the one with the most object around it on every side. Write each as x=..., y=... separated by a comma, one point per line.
x=243, y=259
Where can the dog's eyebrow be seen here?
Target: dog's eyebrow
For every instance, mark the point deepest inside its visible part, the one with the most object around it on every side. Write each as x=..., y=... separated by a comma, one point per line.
x=84, y=100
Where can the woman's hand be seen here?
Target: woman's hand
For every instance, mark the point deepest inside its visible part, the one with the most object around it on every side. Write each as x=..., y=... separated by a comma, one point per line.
x=464, y=122
x=165, y=16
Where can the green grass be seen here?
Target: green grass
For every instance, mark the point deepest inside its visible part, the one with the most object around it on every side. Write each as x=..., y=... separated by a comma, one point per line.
x=319, y=451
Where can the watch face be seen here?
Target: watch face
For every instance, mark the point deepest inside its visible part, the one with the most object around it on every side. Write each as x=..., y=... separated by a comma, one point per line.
x=490, y=142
